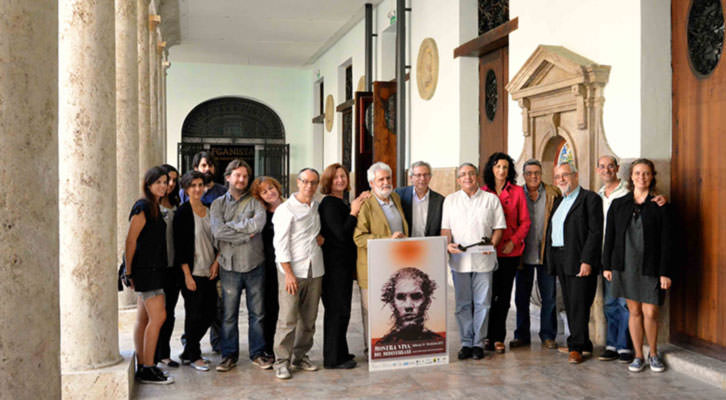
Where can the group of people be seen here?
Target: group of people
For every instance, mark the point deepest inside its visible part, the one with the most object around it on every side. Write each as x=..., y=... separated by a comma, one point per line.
x=210, y=243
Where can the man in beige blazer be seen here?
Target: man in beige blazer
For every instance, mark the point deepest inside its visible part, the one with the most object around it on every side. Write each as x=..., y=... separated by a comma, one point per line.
x=380, y=217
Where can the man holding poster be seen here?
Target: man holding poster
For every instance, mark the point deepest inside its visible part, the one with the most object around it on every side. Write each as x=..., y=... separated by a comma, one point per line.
x=473, y=222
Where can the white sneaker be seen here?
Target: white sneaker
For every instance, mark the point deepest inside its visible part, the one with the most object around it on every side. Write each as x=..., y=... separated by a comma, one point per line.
x=282, y=372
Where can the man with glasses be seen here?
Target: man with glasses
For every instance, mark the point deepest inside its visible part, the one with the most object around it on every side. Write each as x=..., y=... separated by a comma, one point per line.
x=540, y=199
x=300, y=267
x=421, y=205
x=574, y=246
x=469, y=216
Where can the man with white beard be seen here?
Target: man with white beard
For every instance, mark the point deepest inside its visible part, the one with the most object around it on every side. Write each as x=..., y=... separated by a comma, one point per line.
x=380, y=217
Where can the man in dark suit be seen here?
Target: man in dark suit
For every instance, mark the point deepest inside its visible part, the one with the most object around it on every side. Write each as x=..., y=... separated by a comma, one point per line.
x=421, y=205
x=574, y=240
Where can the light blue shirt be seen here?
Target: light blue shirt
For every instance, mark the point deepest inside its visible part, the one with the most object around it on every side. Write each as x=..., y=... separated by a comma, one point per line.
x=392, y=215
x=558, y=218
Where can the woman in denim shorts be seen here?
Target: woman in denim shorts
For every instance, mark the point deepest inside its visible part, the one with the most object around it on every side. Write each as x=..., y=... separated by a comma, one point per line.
x=145, y=264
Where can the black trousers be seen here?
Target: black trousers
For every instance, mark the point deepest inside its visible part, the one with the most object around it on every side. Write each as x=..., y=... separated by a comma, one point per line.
x=578, y=293
x=171, y=297
x=502, y=282
x=200, y=307
x=272, y=306
x=337, y=294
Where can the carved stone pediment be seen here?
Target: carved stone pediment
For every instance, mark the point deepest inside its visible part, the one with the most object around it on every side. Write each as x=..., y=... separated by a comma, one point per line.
x=560, y=93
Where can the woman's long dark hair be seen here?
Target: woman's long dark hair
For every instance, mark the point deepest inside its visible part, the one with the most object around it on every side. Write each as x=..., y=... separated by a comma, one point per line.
x=151, y=176
x=174, y=195
x=489, y=170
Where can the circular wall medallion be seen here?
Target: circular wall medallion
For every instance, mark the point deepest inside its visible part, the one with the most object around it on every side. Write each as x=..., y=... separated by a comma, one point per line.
x=491, y=95
x=427, y=68
x=705, y=35
x=329, y=112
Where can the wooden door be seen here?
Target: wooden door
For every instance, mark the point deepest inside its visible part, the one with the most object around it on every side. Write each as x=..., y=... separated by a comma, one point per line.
x=698, y=184
x=384, y=124
x=493, y=76
x=363, y=139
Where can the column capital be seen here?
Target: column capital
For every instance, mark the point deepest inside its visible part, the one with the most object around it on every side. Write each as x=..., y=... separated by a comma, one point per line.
x=154, y=21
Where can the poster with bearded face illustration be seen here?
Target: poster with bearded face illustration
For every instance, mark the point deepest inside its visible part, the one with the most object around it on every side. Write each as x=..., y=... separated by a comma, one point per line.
x=407, y=302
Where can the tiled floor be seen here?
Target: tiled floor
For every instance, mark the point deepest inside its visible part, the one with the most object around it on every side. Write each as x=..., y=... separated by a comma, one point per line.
x=530, y=373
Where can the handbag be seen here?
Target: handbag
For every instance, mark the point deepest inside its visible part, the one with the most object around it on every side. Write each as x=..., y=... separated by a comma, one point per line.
x=123, y=279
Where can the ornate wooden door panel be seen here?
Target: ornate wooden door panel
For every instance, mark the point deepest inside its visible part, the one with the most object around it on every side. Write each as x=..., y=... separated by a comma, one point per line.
x=384, y=123
x=493, y=76
x=698, y=176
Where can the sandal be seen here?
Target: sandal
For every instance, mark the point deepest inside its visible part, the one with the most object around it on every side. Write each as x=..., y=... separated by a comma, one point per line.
x=499, y=347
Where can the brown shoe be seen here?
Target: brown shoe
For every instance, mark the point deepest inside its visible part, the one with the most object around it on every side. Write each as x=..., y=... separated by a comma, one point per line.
x=575, y=357
x=564, y=349
x=549, y=344
x=499, y=347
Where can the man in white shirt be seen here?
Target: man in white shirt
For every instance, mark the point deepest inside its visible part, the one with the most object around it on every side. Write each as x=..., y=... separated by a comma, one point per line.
x=470, y=215
x=299, y=260
x=618, y=345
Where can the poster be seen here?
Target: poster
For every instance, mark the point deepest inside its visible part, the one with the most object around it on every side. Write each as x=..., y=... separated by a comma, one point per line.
x=407, y=303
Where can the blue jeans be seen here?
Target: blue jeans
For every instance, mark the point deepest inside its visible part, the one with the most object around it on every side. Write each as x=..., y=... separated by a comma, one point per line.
x=232, y=285
x=473, y=293
x=547, y=314
x=616, y=314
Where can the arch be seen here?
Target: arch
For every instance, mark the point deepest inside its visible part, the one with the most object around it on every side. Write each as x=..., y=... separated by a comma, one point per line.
x=233, y=117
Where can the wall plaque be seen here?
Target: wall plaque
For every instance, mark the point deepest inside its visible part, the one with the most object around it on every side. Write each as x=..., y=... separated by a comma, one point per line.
x=427, y=68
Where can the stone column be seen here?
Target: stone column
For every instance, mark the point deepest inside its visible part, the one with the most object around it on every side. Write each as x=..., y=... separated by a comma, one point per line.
x=127, y=128
x=165, y=145
x=87, y=201
x=142, y=38
x=154, y=87
x=29, y=332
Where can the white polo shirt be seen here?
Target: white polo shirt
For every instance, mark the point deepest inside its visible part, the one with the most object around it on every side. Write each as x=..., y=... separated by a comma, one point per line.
x=620, y=191
x=297, y=226
x=469, y=219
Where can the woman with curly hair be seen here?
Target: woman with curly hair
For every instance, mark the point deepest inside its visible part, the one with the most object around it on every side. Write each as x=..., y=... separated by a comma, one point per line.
x=500, y=178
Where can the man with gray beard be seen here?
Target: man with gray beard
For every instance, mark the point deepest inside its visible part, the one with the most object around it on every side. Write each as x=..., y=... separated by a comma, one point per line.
x=380, y=217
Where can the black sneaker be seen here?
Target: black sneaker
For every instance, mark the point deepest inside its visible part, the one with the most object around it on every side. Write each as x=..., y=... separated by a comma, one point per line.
x=153, y=375
x=477, y=353
x=465, y=353
x=608, y=355
x=625, y=358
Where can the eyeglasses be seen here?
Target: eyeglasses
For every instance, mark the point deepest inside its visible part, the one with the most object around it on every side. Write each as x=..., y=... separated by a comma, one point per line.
x=306, y=182
x=564, y=175
x=469, y=173
x=419, y=176
x=533, y=173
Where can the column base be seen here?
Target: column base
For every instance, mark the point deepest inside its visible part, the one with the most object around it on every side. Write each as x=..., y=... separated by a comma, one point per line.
x=113, y=382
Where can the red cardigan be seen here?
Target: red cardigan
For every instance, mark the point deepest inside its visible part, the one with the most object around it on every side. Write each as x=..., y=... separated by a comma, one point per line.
x=517, y=215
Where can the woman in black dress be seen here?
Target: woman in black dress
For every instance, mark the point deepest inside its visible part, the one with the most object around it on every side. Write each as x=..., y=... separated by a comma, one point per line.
x=337, y=223
x=145, y=265
x=269, y=192
x=637, y=259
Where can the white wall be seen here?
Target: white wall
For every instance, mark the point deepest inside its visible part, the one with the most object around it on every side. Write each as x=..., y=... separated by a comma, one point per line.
x=442, y=130
x=633, y=40
x=287, y=91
